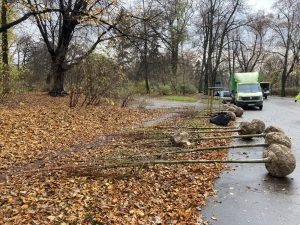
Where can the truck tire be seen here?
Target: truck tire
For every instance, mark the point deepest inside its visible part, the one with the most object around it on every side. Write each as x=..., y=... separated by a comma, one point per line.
x=260, y=107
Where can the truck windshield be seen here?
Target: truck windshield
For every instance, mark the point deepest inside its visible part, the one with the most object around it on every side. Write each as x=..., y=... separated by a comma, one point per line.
x=249, y=88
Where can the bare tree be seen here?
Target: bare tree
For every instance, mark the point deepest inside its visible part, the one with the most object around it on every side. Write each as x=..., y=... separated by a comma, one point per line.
x=250, y=41
x=287, y=34
x=217, y=19
x=81, y=21
x=20, y=7
x=5, y=49
x=175, y=17
x=22, y=50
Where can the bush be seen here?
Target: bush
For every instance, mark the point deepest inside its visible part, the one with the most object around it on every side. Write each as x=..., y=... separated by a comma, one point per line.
x=125, y=93
x=288, y=91
x=140, y=87
x=97, y=79
x=164, y=89
x=186, y=88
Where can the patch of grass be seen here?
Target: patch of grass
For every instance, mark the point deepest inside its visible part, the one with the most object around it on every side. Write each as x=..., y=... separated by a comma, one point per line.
x=180, y=98
x=216, y=100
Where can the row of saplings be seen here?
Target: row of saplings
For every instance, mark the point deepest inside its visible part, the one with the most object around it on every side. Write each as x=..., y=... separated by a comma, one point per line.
x=277, y=155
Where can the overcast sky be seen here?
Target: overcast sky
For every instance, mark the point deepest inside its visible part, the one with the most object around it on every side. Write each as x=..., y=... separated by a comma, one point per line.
x=261, y=4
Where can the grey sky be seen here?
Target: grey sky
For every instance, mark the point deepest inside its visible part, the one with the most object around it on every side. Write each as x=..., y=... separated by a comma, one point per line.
x=261, y=4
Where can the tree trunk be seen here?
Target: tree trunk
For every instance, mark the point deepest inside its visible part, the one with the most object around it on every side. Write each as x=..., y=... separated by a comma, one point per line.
x=146, y=68
x=58, y=78
x=5, y=71
x=174, y=61
x=283, y=82
x=206, y=76
x=200, y=84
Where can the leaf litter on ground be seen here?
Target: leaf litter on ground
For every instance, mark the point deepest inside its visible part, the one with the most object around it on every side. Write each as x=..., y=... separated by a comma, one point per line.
x=42, y=132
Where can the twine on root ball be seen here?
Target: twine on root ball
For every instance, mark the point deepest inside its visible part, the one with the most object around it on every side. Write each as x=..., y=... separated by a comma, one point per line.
x=239, y=111
x=232, y=115
x=246, y=128
x=281, y=161
x=227, y=106
x=259, y=126
x=254, y=127
x=278, y=138
x=273, y=129
x=181, y=139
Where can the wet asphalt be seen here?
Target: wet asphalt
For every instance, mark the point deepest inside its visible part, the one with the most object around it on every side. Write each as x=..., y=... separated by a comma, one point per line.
x=245, y=193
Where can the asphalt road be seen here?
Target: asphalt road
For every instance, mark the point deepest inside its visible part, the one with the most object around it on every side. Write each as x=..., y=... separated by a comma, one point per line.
x=246, y=194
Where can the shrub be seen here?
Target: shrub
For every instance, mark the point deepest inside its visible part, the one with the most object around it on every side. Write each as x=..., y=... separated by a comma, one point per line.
x=96, y=79
x=125, y=93
x=288, y=91
x=186, y=88
x=164, y=89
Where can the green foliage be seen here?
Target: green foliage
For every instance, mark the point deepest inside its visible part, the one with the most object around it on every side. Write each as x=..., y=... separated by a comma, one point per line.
x=186, y=88
x=182, y=88
x=164, y=90
x=139, y=87
x=126, y=92
x=180, y=98
x=17, y=79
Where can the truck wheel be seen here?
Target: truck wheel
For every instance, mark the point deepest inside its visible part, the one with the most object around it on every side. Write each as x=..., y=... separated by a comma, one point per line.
x=260, y=107
x=266, y=96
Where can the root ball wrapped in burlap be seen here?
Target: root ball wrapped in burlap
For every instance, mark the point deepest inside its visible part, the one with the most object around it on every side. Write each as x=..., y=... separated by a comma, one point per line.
x=259, y=126
x=227, y=105
x=246, y=128
x=278, y=138
x=231, y=109
x=181, y=139
x=273, y=129
x=239, y=111
x=281, y=162
x=232, y=115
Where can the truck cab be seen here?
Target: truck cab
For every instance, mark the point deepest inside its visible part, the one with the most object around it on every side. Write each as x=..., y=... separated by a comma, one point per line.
x=246, y=90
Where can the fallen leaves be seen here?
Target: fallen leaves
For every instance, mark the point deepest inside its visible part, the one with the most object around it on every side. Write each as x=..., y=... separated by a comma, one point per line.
x=41, y=132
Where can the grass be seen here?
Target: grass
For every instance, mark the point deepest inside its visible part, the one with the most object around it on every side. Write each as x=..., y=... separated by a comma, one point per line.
x=216, y=100
x=180, y=98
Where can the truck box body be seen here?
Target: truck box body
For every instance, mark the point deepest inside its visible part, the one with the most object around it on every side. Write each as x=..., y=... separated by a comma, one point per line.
x=245, y=89
x=265, y=87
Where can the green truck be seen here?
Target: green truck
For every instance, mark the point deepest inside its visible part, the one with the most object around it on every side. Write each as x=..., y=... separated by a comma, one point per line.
x=245, y=89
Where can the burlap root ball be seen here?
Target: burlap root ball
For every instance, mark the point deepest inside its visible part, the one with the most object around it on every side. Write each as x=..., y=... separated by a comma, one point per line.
x=282, y=161
x=270, y=129
x=181, y=139
x=259, y=126
x=278, y=138
x=246, y=128
x=228, y=105
x=232, y=115
x=231, y=109
x=239, y=111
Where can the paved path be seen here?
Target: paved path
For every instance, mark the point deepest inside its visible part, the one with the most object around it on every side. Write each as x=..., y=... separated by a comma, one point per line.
x=154, y=103
x=247, y=194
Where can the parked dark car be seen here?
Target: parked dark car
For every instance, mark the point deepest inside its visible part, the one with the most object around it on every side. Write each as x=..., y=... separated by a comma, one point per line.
x=225, y=95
